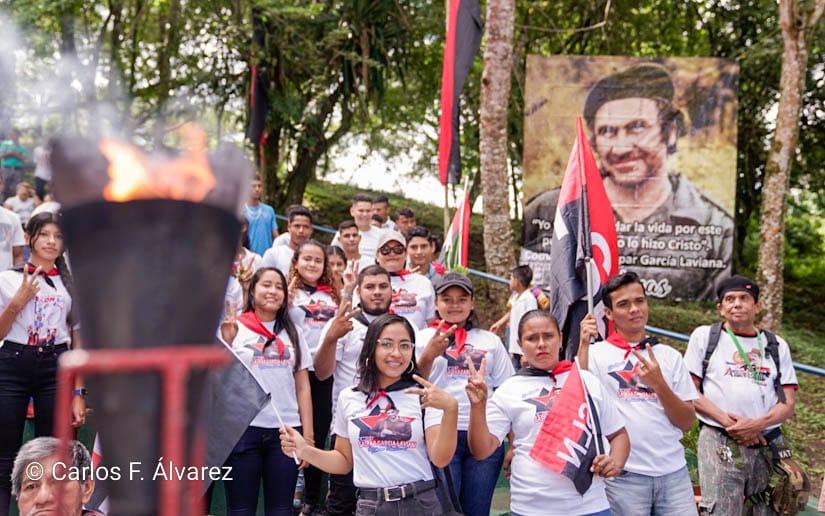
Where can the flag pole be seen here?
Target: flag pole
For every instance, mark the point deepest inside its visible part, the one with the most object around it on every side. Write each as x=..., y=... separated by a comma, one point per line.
x=446, y=211
x=585, y=228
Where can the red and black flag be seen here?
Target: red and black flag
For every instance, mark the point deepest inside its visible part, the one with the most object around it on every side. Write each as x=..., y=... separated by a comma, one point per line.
x=258, y=86
x=584, y=231
x=570, y=436
x=461, y=47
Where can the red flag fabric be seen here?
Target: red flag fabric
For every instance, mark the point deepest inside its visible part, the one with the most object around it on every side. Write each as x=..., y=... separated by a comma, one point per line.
x=583, y=228
x=460, y=48
x=457, y=243
x=567, y=441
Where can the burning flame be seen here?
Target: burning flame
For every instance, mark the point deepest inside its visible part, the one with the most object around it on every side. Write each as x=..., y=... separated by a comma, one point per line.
x=134, y=175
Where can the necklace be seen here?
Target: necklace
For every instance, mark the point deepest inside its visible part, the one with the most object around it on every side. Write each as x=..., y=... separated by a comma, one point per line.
x=252, y=213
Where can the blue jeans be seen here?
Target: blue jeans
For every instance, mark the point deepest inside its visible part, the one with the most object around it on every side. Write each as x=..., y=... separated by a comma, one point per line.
x=256, y=457
x=632, y=494
x=475, y=480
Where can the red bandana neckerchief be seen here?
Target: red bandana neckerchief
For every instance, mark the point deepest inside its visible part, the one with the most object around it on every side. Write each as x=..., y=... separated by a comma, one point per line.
x=439, y=268
x=251, y=321
x=401, y=274
x=562, y=367
x=459, y=336
x=403, y=383
x=29, y=269
x=619, y=342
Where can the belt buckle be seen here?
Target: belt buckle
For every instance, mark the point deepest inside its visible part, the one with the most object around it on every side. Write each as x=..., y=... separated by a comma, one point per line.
x=388, y=498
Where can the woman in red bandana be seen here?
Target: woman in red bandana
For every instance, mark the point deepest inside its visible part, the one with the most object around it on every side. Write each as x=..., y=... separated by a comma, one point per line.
x=521, y=405
x=380, y=429
x=453, y=343
x=35, y=308
x=314, y=298
x=267, y=341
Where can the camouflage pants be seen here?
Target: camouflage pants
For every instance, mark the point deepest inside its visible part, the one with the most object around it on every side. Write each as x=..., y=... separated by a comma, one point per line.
x=727, y=479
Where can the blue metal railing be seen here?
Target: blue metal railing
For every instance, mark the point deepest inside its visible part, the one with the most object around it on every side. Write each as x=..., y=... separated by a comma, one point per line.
x=652, y=329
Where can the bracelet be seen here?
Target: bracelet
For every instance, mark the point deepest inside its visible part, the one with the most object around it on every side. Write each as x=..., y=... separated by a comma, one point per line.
x=81, y=392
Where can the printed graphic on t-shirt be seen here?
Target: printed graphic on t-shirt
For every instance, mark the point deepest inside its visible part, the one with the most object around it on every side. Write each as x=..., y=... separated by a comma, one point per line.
x=631, y=386
x=384, y=429
x=457, y=362
x=738, y=368
x=404, y=302
x=48, y=311
x=317, y=313
x=542, y=403
x=268, y=357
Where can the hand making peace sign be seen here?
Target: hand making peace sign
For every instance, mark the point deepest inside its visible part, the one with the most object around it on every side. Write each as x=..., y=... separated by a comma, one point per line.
x=476, y=388
x=432, y=396
x=649, y=370
x=440, y=340
x=342, y=322
x=27, y=290
x=229, y=324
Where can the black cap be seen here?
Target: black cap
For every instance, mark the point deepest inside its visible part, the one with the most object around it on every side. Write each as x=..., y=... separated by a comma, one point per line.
x=453, y=279
x=643, y=81
x=738, y=284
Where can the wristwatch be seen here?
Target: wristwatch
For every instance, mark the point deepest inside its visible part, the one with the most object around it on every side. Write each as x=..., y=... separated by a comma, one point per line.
x=81, y=392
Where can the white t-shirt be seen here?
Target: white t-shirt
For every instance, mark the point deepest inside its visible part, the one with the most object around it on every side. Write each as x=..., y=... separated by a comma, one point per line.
x=347, y=351
x=11, y=235
x=311, y=312
x=525, y=302
x=521, y=404
x=275, y=374
x=387, y=437
x=655, y=449
x=450, y=372
x=22, y=208
x=413, y=298
x=729, y=382
x=369, y=242
x=280, y=257
x=42, y=322
x=42, y=163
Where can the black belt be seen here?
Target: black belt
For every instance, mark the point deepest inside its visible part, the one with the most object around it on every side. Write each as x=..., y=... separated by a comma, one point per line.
x=769, y=436
x=16, y=346
x=393, y=494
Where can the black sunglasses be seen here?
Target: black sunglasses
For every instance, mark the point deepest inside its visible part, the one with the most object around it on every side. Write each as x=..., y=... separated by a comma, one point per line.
x=397, y=249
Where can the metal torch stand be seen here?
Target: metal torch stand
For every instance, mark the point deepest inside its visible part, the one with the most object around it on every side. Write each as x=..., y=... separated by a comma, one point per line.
x=173, y=364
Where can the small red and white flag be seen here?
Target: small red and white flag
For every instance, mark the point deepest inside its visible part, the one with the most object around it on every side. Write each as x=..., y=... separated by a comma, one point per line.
x=457, y=243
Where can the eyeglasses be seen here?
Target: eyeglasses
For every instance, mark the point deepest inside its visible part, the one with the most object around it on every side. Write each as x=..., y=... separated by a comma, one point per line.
x=388, y=344
x=397, y=249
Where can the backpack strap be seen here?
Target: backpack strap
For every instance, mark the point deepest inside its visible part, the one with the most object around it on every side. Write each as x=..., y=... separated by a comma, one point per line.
x=713, y=341
x=772, y=350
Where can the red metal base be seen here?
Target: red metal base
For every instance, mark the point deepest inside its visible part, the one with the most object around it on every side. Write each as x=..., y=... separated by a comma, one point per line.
x=174, y=365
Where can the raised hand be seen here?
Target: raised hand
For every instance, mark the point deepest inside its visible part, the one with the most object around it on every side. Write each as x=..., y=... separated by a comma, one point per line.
x=229, y=324
x=588, y=329
x=476, y=387
x=432, y=396
x=440, y=340
x=245, y=271
x=27, y=290
x=649, y=370
x=342, y=322
x=350, y=277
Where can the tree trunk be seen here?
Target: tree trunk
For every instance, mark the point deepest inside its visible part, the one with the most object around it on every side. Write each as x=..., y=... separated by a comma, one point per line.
x=495, y=96
x=797, y=27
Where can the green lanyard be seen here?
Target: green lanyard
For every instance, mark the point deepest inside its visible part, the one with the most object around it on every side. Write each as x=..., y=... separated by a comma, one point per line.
x=744, y=355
